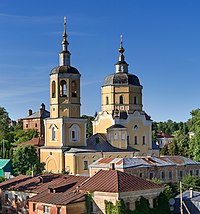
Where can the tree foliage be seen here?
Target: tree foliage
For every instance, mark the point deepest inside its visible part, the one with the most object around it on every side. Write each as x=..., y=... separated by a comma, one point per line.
x=89, y=129
x=25, y=160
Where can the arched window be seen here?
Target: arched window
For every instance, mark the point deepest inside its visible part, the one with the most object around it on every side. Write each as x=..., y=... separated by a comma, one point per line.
x=63, y=88
x=121, y=100
x=53, y=88
x=74, y=133
x=74, y=89
x=53, y=133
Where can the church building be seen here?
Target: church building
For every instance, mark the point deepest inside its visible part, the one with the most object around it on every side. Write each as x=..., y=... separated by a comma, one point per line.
x=121, y=130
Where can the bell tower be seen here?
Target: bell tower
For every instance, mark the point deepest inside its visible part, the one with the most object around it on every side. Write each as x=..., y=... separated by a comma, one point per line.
x=64, y=85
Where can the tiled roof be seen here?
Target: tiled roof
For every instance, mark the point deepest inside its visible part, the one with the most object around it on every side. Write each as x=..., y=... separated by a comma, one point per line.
x=37, y=141
x=117, y=181
x=40, y=183
x=57, y=198
x=163, y=135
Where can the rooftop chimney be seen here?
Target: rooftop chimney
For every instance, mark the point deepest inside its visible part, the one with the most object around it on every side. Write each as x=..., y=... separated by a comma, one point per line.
x=30, y=112
x=112, y=166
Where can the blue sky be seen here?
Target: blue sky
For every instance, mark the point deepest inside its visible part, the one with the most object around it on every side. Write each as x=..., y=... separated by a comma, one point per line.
x=161, y=41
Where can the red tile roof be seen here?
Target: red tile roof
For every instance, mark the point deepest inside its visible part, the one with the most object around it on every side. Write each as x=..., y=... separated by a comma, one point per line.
x=37, y=141
x=117, y=181
x=40, y=183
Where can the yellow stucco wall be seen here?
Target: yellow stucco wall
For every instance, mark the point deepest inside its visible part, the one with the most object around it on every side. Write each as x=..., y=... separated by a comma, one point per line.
x=53, y=159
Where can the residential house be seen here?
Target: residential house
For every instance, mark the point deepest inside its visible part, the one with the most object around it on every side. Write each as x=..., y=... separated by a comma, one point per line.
x=163, y=168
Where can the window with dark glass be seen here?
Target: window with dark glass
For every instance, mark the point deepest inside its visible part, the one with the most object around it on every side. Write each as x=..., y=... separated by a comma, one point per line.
x=197, y=172
x=181, y=174
x=170, y=175
x=191, y=172
x=121, y=100
x=107, y=100
x=53, y=88
x=6, y=197
x=135, y=100
x=136, y=140
x=85, y=165
x=143, y=140
x=59, y=210
x=162, y=175
x=151, y=175
x=34, y=206
x=63, y=88
x=16, y=198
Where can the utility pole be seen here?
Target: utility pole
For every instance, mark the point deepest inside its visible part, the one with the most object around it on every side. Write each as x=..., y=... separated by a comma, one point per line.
x=181, y=198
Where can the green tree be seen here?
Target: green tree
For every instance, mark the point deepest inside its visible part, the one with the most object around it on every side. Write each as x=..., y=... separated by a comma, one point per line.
x=89, y=129
x=25, y=160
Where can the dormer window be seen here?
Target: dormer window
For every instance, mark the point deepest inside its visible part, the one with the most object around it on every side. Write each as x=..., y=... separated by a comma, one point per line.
x=63, y=88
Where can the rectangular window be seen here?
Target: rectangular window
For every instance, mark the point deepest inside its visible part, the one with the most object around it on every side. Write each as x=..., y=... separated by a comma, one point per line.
x=162, y=175
x=73, y=135
x=26, y=125
x=59, y=210
x=143, y=140
x=170, y=175
x=151, y=175
x=197, y=172
x=46, y=209
x=34, y=206
x=85, y=165
x=136, y=141
x=191, y=172
x=180, y=174
x=140, y=175
x=123, y=136
x=6, y=197
x=115, y=136
x=16, y=198
x=35, y=125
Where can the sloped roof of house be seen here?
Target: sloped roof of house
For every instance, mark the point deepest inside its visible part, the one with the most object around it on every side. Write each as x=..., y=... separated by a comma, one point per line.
x=117, y=181
x=135, y=162
x=41, y=183
x=4, y=162
x=37, y=141
x=37, y=114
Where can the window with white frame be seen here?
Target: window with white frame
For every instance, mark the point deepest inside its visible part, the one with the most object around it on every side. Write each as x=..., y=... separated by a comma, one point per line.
x=74, y=133
x=123, y=136
x=46, y=209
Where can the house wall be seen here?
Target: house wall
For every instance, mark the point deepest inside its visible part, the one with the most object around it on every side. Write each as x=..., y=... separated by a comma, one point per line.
x=73, y=208
x=128, y=197
x=17, y=201
x=147, y=172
